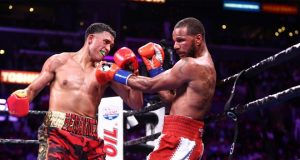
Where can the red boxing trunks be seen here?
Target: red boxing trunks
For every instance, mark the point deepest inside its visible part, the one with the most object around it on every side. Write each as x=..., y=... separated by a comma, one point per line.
x=69, y=137
x=181, y=138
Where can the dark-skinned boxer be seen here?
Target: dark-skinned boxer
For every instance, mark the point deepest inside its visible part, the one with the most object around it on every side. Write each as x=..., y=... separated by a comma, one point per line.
x=193, y=78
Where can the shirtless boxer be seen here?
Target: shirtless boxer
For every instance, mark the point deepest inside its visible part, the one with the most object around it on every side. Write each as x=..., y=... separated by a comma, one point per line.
x=69, y=130
x=193, y=78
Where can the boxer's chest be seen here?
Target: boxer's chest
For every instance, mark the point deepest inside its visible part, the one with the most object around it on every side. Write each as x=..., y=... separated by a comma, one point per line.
x=73, y=76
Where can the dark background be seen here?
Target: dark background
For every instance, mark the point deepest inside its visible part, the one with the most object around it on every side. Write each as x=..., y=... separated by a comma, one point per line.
x=272, y=132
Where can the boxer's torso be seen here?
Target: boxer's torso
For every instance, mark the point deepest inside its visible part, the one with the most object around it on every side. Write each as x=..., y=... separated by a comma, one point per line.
x=74, y=88
x=194, y=98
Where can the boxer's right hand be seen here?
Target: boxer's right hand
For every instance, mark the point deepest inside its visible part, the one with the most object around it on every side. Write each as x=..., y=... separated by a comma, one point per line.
x=107, y=71
x=153, y=56
x=126, y=59
x=18, y=103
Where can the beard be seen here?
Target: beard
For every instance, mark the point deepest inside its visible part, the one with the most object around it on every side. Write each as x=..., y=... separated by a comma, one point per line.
x=192, y=50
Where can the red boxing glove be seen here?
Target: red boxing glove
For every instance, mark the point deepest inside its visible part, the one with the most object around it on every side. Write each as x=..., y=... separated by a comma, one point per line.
x=153, y=56
x=18, y=103
x=126, y=59
x=106, y=72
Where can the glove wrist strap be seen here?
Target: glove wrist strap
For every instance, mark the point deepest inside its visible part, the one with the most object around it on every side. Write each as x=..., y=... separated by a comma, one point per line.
x=156, y=71
x=122, y=76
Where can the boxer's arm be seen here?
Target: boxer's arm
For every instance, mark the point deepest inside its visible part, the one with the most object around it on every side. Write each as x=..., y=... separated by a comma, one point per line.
x=126, y=59
x=18, y=101
x=153, y=58
x=133, y=98
x=45, y=77
x=171, y=79
x=167, y=96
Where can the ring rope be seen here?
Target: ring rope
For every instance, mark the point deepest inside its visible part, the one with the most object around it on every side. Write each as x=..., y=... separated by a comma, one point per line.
x=271, y=61
x=142, y=139
x=254, y=69
x=127, y=143
x=239, y=109
x=151, y=107
x=273, y=99
x=18, y=141
x=30, y=112
x=232, y=115
x=278, y=97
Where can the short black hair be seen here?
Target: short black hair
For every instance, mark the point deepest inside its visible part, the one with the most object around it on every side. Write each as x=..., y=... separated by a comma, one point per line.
x=194, y=26
x=99, y=28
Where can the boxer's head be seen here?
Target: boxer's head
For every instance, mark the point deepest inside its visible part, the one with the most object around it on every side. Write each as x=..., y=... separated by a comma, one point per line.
x=193, y=25
x=99, y=38
x=99, y=28
x=188, y=34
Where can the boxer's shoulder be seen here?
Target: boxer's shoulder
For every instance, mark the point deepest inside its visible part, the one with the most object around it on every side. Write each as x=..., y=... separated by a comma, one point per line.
x=57, y=60
x=62, y=57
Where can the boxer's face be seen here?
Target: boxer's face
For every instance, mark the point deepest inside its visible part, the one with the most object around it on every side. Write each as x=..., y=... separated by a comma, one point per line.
x=191, y=51
x=184, y=44
x=100, y=44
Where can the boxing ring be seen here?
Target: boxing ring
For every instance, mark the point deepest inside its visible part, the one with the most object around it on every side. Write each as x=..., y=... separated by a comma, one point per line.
x=231, y=111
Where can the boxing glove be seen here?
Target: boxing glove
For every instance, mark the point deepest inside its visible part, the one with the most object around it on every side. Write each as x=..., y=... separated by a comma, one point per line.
x=106, y=72
x=126, y=59
x=18, y=103
x=153, y=56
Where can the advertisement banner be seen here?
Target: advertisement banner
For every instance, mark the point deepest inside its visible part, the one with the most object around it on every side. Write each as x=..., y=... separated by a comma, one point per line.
x=110, y=127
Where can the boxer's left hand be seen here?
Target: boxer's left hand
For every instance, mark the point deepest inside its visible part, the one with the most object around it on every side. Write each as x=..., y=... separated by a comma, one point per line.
x=153, y=57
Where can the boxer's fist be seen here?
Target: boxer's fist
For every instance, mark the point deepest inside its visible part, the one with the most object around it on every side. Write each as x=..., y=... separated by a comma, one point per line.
x=153, y=56
x=126, y=59
x=18, y=103
x=106, y=72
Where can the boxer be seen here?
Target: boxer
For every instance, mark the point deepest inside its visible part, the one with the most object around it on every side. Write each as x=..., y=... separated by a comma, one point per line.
x=69, y=128
x=188, y=87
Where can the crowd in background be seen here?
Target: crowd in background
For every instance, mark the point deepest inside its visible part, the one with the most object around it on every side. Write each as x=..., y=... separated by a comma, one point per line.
x=265, y=133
